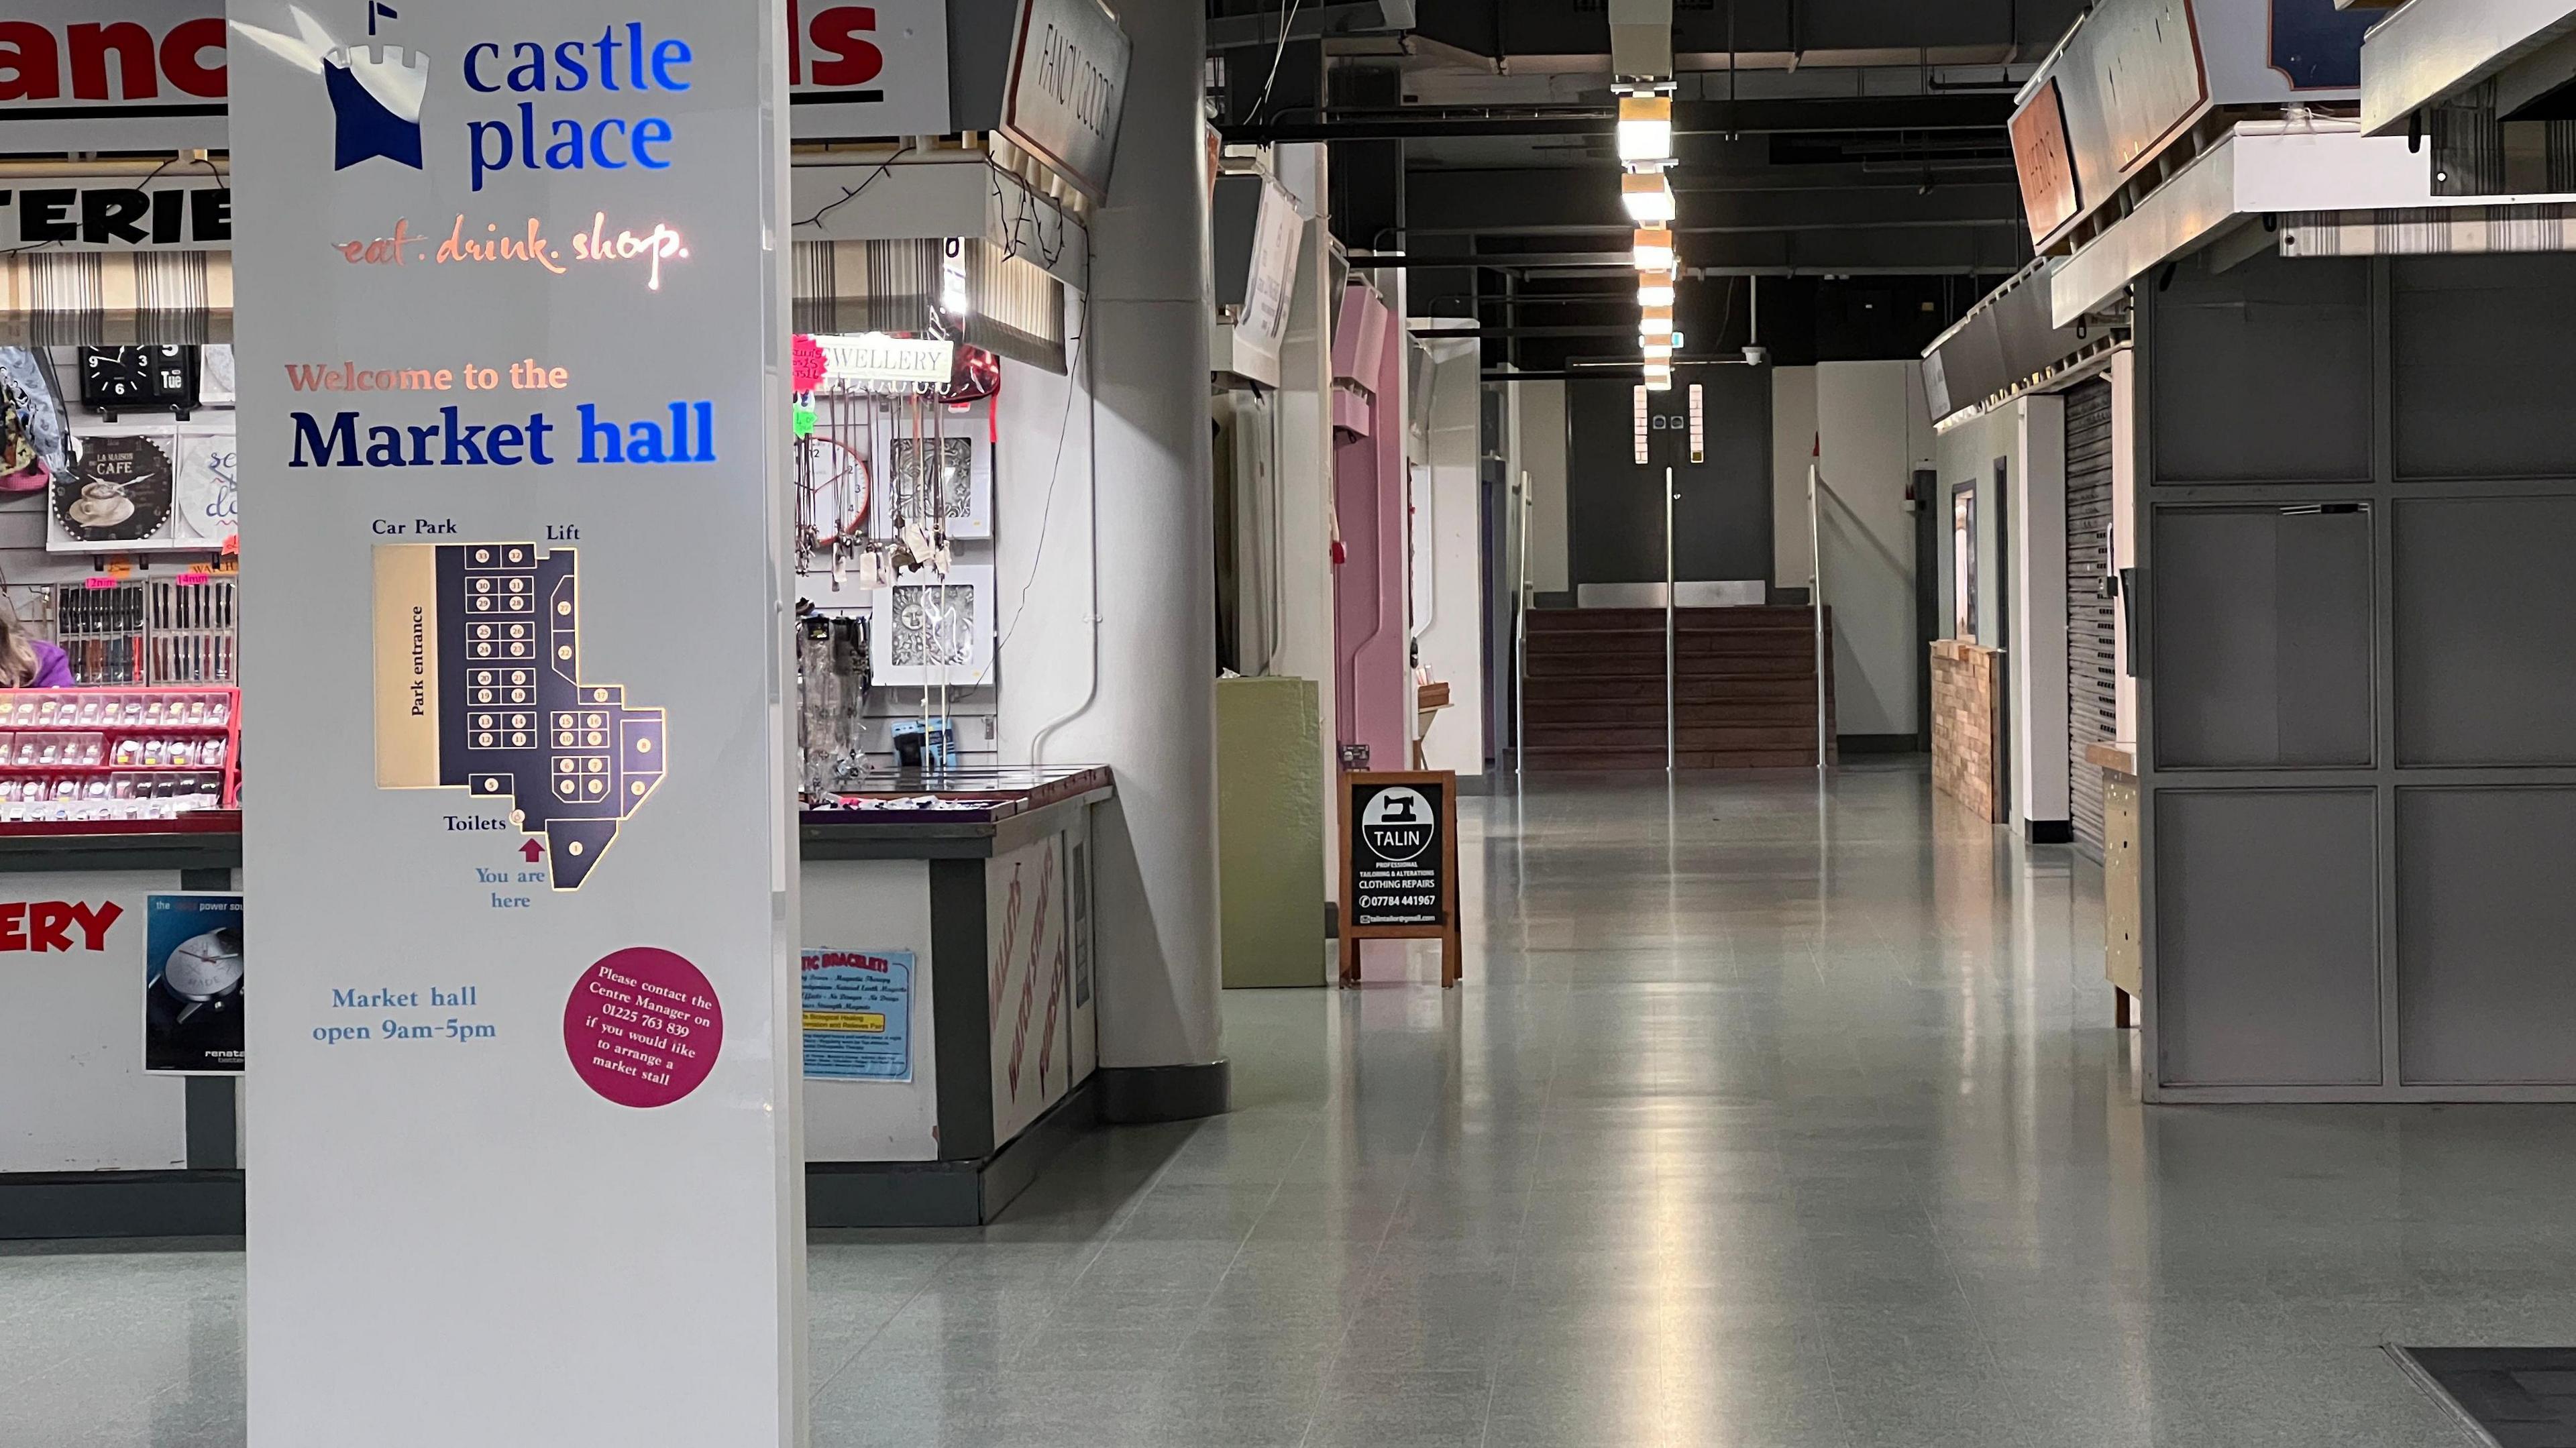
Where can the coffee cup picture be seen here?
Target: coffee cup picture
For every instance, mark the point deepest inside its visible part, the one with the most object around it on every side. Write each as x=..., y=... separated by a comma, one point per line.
x=118, y=491
x=102, y=505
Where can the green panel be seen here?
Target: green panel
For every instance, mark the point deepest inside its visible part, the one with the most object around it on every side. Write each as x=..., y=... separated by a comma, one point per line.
x=1270, y=831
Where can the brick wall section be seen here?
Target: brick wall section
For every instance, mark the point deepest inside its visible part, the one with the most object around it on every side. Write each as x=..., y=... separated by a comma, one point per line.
x=1967, y=723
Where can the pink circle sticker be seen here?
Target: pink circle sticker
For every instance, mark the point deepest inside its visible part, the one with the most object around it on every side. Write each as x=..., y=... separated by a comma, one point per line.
x=643, y=1027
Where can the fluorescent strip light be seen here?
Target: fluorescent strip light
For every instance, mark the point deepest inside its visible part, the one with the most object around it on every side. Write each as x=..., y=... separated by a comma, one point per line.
x=1640, y=415
x=1645, y=130
x=1655, y=289
x=1648, y=197
x=1698, y=424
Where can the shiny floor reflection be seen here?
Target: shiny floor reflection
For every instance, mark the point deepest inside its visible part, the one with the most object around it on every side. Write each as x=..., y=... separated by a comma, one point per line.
x=1766, y=1116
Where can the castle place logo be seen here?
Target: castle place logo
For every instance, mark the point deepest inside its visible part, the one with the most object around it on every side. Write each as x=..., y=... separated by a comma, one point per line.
x=375, y=89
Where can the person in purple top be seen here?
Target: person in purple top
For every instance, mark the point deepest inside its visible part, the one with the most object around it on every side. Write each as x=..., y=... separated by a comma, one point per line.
x=26, y=661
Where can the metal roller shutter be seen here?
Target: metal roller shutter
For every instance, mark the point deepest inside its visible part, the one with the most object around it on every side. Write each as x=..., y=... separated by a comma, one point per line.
x=2092, y=651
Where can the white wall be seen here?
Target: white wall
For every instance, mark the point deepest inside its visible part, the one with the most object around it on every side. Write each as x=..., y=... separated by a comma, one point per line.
x=1540, y=409
x=1793, y=441
x=1449, y=616
x=1876, y=431
x=1042, y=501
x=2124, y=499
x=2037, y=667
x=1967, y=454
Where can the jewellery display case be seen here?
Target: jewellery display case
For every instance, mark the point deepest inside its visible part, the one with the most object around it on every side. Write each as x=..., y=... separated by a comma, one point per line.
x=118, y=753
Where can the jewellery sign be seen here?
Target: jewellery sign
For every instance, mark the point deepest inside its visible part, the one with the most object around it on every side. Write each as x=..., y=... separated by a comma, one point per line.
x=510, y=319
x=1400, y=863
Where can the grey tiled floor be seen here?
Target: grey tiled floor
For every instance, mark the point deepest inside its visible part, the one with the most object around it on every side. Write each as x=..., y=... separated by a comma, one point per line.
x=1763, y=1118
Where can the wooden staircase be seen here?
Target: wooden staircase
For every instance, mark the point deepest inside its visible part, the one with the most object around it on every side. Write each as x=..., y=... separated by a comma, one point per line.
x=1744, y=688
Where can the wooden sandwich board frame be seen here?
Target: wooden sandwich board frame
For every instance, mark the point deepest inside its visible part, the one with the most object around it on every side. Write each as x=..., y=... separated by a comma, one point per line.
x=1358, y=786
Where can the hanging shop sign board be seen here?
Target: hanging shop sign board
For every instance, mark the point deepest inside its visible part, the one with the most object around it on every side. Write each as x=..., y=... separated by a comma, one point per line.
x=2134, y=78
x=2050, y=195
x=1272, y=283
x=127, y=75
x=529, y=1039
x=1067, y=89
x=1400, y=863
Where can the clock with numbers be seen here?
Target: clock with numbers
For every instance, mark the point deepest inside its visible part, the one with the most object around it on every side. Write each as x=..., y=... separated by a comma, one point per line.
x=138, y=379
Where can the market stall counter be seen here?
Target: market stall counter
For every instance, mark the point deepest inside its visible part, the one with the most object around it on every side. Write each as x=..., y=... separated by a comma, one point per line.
x=92, y=1143
x=950, y=1037
x=948, y=992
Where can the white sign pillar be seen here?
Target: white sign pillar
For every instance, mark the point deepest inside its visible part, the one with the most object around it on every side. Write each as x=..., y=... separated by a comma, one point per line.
x=523, y=1147
x=1153, y=715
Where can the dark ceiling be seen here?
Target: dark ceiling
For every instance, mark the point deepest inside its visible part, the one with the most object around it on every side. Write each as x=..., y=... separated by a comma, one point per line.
x=1851, y=152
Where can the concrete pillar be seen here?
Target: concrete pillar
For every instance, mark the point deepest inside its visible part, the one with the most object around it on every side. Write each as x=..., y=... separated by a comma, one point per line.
x=1152, y=716
x=2037, y=547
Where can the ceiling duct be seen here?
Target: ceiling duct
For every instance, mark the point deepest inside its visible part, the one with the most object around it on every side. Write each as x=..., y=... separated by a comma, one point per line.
x=1641, y=39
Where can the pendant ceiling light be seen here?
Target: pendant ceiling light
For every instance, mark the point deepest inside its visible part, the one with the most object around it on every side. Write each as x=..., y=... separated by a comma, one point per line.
x=1648, y=197
x=1654, y=248
x=1645, y=130
x=1655, y=289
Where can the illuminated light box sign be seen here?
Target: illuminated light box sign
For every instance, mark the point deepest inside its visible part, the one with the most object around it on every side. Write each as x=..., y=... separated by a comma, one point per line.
x=98, y=75
x=876, y=357
x=508, y=320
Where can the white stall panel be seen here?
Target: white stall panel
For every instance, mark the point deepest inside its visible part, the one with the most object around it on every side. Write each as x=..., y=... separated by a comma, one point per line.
x=73, y=1096
x=878, y=906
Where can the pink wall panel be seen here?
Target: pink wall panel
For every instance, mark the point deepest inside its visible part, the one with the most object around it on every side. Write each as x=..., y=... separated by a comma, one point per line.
x=1374, y=690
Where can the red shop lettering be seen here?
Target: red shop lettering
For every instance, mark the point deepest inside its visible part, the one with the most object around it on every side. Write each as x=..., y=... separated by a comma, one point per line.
x=43, y=925
x=835, y=34
x=118, y=60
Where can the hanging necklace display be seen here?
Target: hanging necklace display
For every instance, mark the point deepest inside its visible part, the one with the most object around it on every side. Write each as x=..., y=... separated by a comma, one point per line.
x=807, y=368
x=901, y=413
x=831, y=497
x=22, y=462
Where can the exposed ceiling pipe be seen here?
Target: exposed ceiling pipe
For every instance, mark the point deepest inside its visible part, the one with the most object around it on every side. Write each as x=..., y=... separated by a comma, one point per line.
x=1367, y=17
x=1986, y=112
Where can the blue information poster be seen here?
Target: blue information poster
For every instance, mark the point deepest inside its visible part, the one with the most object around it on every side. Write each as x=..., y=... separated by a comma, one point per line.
x=858, y=1015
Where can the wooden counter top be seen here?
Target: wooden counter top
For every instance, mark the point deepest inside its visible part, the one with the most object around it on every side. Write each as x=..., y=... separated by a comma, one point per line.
x=2117, y=755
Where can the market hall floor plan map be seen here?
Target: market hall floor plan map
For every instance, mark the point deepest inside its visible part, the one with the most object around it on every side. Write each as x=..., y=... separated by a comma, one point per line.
x=479, y=688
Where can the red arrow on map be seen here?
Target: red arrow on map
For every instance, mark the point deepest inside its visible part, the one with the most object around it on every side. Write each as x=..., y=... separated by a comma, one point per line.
x=531, y=851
